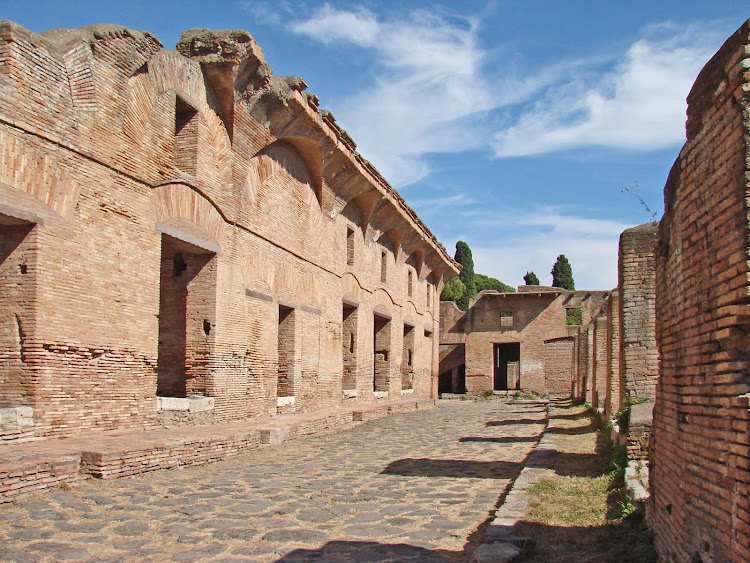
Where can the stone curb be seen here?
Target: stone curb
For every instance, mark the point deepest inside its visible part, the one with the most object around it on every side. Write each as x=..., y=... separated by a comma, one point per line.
x=501, y=541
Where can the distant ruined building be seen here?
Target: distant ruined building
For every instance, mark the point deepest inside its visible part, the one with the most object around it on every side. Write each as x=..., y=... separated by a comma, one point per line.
x=186, y=238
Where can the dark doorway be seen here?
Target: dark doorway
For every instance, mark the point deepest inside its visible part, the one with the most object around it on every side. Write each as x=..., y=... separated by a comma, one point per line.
x=349, y=347
x=507, y=362
x=382, y=341
x=186, y=318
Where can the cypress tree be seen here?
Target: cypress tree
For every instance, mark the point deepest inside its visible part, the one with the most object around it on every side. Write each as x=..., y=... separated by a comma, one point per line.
x=531, y=279
x=463, y=257
x=562, y=274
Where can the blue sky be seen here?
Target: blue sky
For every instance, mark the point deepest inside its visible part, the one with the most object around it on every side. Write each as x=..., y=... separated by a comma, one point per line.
x=512, y=125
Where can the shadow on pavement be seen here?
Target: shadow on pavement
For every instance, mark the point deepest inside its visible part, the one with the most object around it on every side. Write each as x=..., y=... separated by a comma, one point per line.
x=453, y=468
x=371, y=551
x=500, y=440
x=511, y=422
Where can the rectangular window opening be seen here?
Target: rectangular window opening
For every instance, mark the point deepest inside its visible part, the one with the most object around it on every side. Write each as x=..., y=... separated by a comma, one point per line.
x=286, y=350
x=349, y=246
x=349, y=347
x=574, y=316
x=185, y=137
x=382, y=352
x=407, y=361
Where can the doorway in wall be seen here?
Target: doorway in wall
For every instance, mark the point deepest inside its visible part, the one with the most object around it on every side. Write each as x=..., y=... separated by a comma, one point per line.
x=507, y=366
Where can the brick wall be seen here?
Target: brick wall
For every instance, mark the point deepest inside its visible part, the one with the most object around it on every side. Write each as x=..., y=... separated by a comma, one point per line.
x=534, y=319
x=639, y=356
x=700, y=442
x=613, y=399
x=116, y=155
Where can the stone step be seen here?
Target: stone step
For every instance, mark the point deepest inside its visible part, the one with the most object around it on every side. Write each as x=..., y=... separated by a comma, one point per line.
x=34, y=466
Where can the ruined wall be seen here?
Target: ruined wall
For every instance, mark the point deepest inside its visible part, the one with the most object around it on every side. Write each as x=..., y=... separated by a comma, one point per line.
x=613, y=400
x=599, y=365
x=117, y=156
x=700, y=442
x=639, y=356
x=558, y=363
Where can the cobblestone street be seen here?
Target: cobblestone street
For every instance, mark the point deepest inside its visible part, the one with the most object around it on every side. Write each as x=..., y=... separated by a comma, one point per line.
x=410, y=486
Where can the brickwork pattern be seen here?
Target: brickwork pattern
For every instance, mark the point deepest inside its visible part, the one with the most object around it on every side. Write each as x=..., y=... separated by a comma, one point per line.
x=110, y=146
x=639, y=364
x=700, y=442
x=534, y=318
x=613, y=401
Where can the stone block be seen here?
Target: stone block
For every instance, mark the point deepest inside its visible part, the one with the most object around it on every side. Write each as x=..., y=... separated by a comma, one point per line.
x=495, y=553
x=198, y=403
x=172, y=404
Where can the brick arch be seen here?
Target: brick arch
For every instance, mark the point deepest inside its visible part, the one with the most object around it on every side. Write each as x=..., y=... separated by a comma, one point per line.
x=38, y=178
x=167, y=75
x=279, y=176
x=281, y=281
x=351, y=288
x=182, y=202
x=383, y=300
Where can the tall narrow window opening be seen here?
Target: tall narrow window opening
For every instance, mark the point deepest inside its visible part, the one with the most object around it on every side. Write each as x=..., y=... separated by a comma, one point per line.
x=410, y=284
x=286, y=349
x=407, y=367
x=382, y=352
x=349, y=246
x=349, y=345
x=185, y=137
x=383, y=266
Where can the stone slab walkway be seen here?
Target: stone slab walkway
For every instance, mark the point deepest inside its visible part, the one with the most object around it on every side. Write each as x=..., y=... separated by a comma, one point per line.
x=41, y=464
x=414, y=486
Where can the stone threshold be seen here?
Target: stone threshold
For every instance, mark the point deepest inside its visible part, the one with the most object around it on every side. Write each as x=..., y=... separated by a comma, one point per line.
x=30, y=467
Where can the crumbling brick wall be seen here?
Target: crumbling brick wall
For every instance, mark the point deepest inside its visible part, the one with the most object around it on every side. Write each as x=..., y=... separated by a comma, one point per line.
x=534, y=319
x=117, y=155
x=613, y=401
x=639, y=357
x=700, y=441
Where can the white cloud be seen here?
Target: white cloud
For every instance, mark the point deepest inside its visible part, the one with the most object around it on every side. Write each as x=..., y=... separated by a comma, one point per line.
x=428, y=85
x=638, y=104
x=429, y=206
x=531, y=241
x=328, y=25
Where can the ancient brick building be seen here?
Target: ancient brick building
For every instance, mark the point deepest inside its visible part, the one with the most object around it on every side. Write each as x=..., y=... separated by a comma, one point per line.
x=186, y=238
x=516, y=341
x=639, y=357
x=700, y=446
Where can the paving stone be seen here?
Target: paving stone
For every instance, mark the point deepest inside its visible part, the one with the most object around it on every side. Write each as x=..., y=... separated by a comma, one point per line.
x=294, y=535
x=75, y=554
x=273, y=504
x=131, y=529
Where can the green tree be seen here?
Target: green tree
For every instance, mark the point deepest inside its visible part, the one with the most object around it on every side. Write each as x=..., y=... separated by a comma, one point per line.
x=453, y=290
x=531, y=279
x=463, y=257
x=483, y=282
x=562, y=274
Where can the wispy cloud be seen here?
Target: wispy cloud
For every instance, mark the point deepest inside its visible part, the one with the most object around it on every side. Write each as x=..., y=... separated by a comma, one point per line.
x=506, y=246
x=432, y=205
x=426, y=90
x=432, y=91
x=635, y=104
